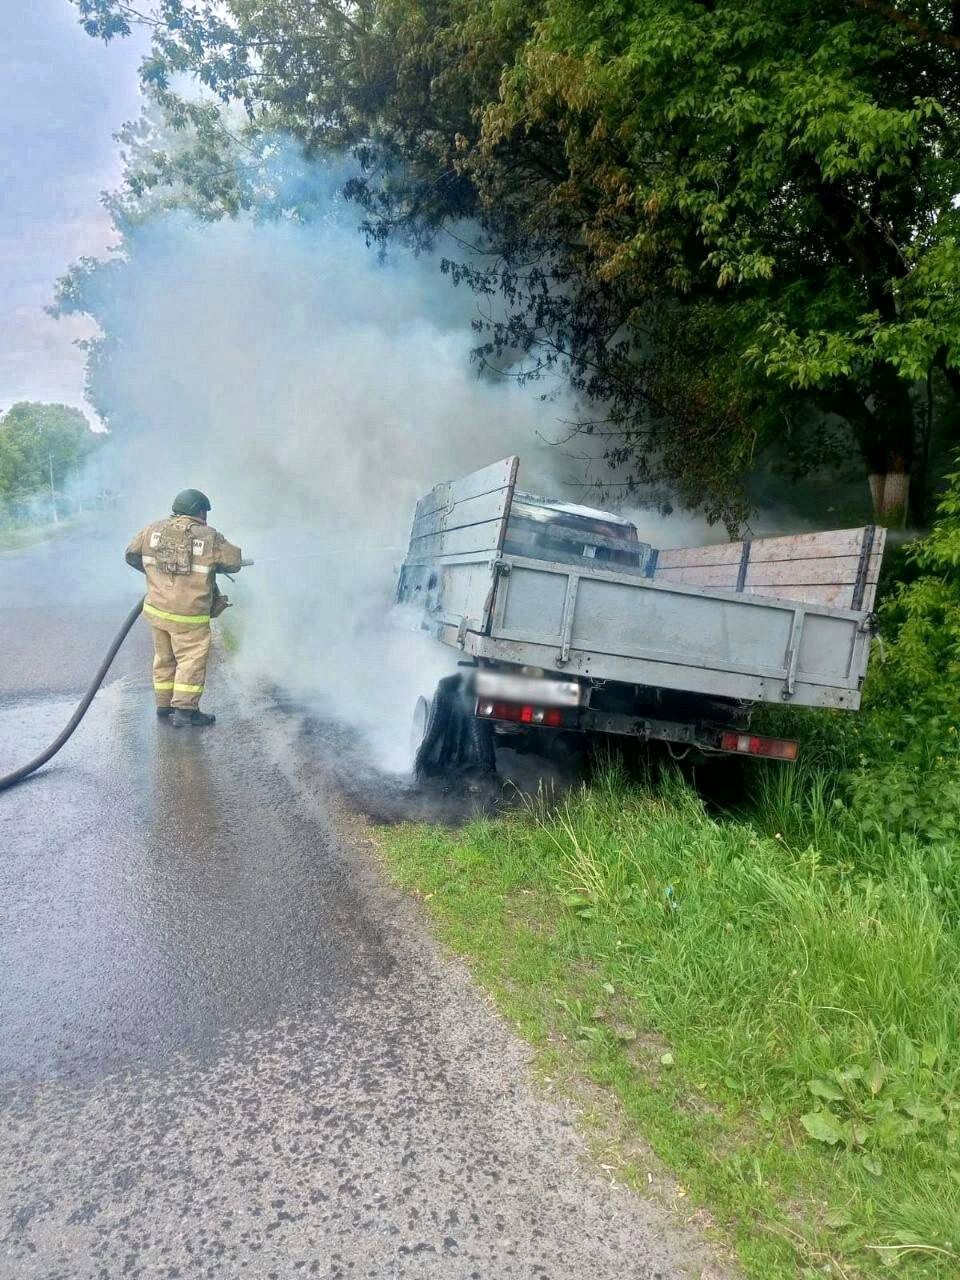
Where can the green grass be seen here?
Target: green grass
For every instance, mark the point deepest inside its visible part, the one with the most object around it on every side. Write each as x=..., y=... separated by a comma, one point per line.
x=16, y=537
x=770, y=1001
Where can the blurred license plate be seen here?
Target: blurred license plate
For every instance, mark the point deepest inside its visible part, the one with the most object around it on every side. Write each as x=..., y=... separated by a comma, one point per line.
x=538, y=689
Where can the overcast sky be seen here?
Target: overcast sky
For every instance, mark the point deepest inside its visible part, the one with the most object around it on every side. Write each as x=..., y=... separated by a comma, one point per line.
x=62, y=97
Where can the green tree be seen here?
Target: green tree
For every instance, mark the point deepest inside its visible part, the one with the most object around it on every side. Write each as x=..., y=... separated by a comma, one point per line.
x=40, y=445
x=717, y=217
x=921, y=663
x=791, y=170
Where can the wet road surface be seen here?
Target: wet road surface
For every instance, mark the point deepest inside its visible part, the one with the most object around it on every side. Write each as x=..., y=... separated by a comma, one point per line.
x=225, y=1048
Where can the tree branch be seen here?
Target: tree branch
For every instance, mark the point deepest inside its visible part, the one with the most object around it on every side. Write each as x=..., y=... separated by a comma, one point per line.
x=927, y=34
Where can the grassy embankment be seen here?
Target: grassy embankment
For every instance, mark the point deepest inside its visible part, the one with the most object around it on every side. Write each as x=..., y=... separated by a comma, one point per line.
x=769, y=998
x=771, y=1001
x=17, y=537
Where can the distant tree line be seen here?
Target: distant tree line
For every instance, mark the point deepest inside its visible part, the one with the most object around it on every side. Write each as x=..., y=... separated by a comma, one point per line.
x=733, y=225
x=42, y=447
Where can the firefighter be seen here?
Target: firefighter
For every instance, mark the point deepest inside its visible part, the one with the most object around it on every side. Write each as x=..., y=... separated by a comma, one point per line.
x=180, y=557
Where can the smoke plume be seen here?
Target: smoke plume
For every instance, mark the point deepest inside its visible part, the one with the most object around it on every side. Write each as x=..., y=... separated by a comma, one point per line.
x=314, y=392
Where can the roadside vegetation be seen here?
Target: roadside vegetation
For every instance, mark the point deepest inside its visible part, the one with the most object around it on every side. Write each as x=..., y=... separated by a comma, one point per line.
x=15, y=536
x=770, y=994
x=43, y=448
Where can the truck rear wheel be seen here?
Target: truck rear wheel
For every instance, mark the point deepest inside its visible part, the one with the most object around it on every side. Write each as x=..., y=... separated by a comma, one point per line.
x=476, y=737
x=447, y=735
x=418, y=726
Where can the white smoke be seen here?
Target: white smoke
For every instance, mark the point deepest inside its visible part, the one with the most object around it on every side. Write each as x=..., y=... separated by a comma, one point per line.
x=315, y=394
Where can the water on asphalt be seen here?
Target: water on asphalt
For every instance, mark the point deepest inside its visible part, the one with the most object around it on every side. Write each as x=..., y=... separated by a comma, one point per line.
x=225, y=1048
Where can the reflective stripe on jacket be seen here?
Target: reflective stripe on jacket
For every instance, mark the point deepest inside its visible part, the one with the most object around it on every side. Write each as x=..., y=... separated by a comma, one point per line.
x=183, y=591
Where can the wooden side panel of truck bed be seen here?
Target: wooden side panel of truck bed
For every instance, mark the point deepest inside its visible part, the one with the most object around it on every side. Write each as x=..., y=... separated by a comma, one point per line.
x=838, y=568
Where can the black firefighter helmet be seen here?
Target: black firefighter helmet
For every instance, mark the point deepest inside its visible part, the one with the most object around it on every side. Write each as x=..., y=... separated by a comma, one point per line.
x=191, y=502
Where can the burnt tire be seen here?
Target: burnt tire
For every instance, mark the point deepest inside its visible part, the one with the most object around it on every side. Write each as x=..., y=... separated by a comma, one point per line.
x=433, y=749
x=482, y=750
x=453, y=739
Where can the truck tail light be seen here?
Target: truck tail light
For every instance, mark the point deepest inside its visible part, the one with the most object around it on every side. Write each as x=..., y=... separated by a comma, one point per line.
x=752, y=744
x=520, y=713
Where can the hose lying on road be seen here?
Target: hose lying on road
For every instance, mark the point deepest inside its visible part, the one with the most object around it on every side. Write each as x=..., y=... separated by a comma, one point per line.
x=24, y=772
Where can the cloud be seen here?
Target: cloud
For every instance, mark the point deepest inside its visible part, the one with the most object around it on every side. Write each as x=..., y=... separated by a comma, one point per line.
x=39, y=358
x=62, y=95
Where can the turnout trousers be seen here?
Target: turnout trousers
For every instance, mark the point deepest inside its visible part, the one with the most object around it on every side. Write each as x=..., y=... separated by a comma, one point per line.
x=180, y=652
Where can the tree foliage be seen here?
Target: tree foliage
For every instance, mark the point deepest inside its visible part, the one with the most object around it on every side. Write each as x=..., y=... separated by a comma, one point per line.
x=906, y=772
x=714, y=216
x=39, y=442
x=921, y=664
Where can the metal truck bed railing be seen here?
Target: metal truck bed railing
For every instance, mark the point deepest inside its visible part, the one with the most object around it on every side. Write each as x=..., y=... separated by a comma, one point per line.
x=730, y=638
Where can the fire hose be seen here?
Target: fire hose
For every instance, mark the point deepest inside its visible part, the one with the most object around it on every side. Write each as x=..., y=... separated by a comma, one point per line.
x=8, y=780
x=18, y=775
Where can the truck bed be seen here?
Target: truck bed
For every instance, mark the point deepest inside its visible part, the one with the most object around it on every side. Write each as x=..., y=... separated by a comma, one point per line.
x=659, y=624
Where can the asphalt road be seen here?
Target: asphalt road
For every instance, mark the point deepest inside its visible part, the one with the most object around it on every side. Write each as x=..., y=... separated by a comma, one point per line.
x=226, y=1049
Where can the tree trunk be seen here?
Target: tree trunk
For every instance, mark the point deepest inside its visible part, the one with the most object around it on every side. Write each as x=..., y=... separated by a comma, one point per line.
x=882, y=417
x=889, y=445
x=891, y=497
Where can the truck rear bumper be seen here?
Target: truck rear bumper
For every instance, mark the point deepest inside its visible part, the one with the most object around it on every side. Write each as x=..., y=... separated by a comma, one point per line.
x=713, y=739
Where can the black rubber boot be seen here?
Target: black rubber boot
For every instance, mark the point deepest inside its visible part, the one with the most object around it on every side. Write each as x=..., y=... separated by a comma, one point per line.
x=190, y=719
x=164, y=713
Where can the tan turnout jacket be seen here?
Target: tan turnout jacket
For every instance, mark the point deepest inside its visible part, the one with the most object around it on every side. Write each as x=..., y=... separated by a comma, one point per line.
x=180, y=557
